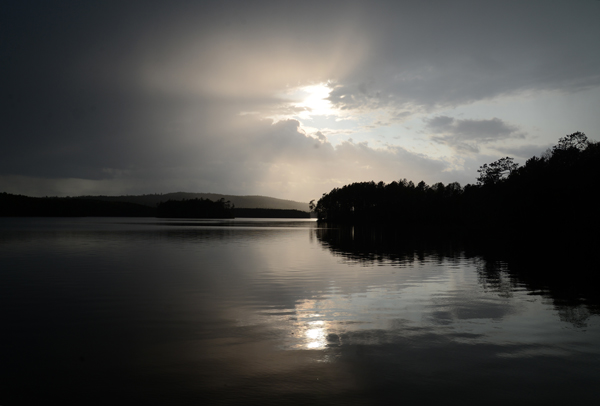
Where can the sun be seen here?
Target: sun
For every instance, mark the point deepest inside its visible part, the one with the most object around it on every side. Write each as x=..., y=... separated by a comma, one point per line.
x=310, y=106
x=315, y=102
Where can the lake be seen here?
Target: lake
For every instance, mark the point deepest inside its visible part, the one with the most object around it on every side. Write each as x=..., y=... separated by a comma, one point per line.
x=250, y=311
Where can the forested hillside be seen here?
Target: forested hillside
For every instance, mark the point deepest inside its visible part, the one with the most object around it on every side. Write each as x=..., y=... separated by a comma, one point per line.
x=24, y=206
x=195, y=208
x=247, y=202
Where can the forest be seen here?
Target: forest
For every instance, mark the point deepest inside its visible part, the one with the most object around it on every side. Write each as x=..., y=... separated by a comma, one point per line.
x=25, y=206
x=108, y=206
x=195, y=208
x=270, y=213
x=551, y=196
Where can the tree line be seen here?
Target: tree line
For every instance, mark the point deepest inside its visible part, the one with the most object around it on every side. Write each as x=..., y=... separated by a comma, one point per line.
x=195, y=208
x=25, y=206
x=553, y=193
x=84, y=206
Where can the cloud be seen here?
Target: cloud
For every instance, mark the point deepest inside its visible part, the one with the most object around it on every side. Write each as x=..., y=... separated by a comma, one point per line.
x=481, y=130
x=525, y=151
x=468, y=51
x=141, y=97
x=466, y=135
x=272, y=159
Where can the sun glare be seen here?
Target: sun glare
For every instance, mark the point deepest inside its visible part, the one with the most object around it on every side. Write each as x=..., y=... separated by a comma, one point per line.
x=315, y=101
x=310, y=106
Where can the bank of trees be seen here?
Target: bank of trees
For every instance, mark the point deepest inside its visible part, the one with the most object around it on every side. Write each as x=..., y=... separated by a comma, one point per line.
x=552, y=193
x=270, y=213
x=195, y=208
x=25, y=206
x=399, y=203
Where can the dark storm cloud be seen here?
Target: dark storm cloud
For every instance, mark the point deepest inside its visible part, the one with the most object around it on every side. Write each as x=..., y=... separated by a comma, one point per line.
x=148, y=94
x=448, y=53
x=94, y=85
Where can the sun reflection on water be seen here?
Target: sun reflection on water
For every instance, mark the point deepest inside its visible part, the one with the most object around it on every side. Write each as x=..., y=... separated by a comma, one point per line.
x=316, y=335
x=401, y=307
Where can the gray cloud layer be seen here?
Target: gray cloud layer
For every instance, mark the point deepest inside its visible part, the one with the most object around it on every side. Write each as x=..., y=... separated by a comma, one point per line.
x=146, y=96
x=448, y=53
x=467, y=134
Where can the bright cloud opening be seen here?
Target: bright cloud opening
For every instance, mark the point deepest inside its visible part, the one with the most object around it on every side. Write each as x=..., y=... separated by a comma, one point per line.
x=315, y=101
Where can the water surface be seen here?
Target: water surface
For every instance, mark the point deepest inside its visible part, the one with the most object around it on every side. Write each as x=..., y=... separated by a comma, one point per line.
x=147, y=311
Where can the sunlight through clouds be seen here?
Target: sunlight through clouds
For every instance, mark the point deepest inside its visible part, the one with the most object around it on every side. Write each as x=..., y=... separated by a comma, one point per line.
x=315, y=102
x=306, y=103
x=214, y=97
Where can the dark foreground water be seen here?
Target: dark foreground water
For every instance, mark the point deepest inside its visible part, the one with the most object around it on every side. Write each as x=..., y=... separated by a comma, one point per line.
x=130, y=311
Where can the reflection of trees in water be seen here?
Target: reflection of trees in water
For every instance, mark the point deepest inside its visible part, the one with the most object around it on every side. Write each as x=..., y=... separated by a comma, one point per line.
x=572, y=291
x=563, y=279
x=494, y=277
x=370, y=245
x=578, y=315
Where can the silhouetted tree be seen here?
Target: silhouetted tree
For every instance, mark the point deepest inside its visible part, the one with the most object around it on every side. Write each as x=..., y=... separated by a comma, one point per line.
x=496, y=171
x=576, y=140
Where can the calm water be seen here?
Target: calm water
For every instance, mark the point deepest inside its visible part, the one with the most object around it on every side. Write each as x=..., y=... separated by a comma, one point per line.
x=130, y=311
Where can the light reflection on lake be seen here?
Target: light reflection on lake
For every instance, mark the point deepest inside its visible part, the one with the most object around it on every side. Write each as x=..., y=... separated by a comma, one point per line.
x=275, y=312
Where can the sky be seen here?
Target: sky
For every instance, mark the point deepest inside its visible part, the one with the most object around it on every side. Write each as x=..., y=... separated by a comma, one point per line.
x=283, y=98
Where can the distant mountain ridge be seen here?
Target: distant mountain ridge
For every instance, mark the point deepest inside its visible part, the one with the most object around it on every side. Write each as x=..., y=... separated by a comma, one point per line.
x=242, y=202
